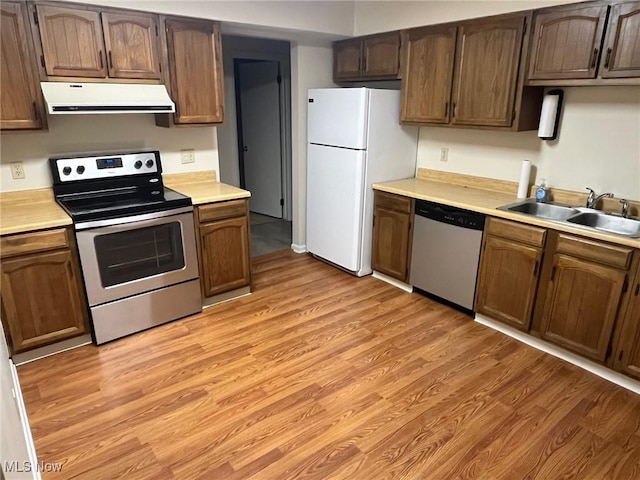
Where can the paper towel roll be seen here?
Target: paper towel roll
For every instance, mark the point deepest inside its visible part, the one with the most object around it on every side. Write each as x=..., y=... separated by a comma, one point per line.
x=523, y=185
x=550, y=115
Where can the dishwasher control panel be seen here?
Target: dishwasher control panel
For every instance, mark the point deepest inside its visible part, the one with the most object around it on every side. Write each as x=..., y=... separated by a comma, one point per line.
x=451, y=215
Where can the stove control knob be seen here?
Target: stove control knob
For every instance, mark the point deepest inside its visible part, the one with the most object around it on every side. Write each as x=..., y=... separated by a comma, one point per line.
x=80, y=169
x=149, y=163
x=66, y=170
x=138, y=164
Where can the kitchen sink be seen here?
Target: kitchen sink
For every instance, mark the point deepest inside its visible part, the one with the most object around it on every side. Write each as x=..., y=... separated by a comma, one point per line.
x=607, y=223
x=548, y=211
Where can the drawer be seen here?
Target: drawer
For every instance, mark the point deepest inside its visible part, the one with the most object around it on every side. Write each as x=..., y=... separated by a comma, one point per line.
x=390, y=201
x=31, y=242
x=218, y=211
x=612, y=255
x=516, y=231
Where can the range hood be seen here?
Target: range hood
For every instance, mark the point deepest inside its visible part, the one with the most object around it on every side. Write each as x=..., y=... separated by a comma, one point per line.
x=85, y=98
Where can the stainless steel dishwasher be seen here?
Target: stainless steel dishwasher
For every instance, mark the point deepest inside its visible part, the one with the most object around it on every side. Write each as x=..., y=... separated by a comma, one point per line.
x=446, y=252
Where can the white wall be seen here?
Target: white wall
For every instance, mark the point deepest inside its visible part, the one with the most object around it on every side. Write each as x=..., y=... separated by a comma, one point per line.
x=598, y=145
x=374, y=16
x=311, y=67
x=101, y=133
x=16, y=444
x=332, y=17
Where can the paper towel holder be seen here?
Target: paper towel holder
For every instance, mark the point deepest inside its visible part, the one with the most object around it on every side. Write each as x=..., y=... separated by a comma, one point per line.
x=550, y=115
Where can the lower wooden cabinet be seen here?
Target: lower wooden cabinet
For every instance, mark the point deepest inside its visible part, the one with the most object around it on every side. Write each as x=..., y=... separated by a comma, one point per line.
x=392, y=235
x=584, y=295
x=509, y=272
x=626, y=357
x=225, y=255
x=42, y=293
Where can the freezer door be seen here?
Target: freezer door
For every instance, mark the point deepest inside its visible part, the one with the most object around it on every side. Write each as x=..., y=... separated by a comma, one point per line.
x=334, y=204
x=338, y=117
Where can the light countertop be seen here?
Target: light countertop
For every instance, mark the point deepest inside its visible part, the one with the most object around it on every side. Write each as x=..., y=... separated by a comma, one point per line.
x=486, y=201
x=28, y=210
x=203, y=187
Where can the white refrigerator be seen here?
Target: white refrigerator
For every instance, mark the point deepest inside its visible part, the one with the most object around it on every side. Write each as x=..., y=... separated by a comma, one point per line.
x=354, y=140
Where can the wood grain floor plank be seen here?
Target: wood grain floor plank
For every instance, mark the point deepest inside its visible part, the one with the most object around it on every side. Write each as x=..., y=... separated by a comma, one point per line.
x=321, y=375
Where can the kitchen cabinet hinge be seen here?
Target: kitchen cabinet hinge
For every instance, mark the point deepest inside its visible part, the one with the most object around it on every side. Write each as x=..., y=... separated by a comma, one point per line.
x=42, y=61
x=625, y=285
x=282, y=202
x=524, y=30
x=635, y=294
x=620, y=355
x=156, y=30
x=608, y=354
x=279, y=79
x=553, y=272
x=513, y=115
x=35, y=17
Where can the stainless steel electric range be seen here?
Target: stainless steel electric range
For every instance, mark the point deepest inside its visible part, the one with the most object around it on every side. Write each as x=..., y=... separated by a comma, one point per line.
x=136, y=241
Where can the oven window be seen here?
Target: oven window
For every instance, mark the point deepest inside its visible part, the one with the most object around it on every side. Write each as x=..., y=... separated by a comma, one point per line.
x=140, y=253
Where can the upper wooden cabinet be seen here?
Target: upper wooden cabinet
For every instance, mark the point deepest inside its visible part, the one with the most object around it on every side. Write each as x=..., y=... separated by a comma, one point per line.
x=92, y=44
x=621, y=57
x=21, y=100
x=567, y=42
x=469, y=75
x=428, y=74
x=132, y=45
x=374, y=57
x=586, y=44
x=486, y=73
x=195, y=71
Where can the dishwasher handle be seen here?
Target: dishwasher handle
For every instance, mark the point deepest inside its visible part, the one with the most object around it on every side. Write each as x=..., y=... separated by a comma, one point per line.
x=451, y=215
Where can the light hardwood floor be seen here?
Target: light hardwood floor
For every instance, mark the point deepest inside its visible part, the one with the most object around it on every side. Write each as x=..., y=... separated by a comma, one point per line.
x=320, y=375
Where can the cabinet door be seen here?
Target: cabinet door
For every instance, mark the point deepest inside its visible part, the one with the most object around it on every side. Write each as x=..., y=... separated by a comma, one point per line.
x=622, y=57
x=486, y=73
x=42, y=299
x=391, y=242
x=71, y=42
x=381, y=56
x=131, y=41
x=627, y=356
x=508, y=281
x=566, y=43
x=225, y=255
x=346, y=59
x=20, y=100
x=428, y=74
x=581, y=305
x=195, y=67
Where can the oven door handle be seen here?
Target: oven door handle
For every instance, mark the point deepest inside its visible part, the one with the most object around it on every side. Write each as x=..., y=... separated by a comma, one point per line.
x=135, y=218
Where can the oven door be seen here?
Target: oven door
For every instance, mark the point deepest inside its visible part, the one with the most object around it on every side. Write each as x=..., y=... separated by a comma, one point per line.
x=137, y=254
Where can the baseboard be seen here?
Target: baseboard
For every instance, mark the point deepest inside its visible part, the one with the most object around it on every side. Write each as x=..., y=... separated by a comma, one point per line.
x=48, y=350
x=299, y=248
x=24, y=420
x=593, y=367
x=225, y=297
x=393, y=281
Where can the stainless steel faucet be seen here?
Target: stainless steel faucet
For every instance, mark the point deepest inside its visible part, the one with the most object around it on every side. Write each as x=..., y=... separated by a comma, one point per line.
x=593, y=199
x=625, y=208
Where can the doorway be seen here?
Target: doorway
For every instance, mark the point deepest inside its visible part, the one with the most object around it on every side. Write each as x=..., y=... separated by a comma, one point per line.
x=261, y=137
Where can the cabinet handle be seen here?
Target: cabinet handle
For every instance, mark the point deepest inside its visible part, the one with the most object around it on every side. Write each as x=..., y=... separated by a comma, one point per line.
x=637, y=290
x=535, y=269
x=446, y=109
x=364, y=63
x=110, y=61
x=101, y=62
x=606, y=62
x=70, y=269
x=35, y=111
x=595, y=57
x=453, y=113
x=553, y=273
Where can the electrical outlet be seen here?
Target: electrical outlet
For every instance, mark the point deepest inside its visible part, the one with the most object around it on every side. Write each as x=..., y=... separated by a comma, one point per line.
x=17, y=170
x=188, y=156
x=444, y=154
